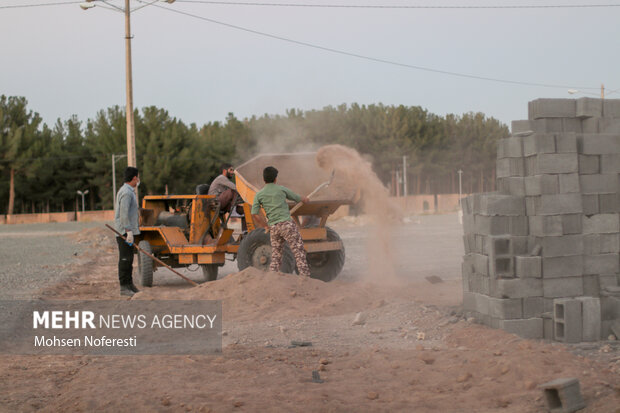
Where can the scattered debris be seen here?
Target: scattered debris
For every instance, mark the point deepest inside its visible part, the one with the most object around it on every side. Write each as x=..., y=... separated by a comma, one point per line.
x=316, y=377
x=360, y=319
x=372, y=395
x=301, y=343
x=433, y=279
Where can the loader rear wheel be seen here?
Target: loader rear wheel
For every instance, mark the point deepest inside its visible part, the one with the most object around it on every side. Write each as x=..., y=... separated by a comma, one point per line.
x=326, y=266
x=255, y=251
x=209, y=272
x=145, y=264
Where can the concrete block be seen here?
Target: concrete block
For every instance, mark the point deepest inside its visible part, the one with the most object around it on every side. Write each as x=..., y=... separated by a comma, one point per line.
x=571, y=224
x=531, y=165
x=469, y=301
x=539, y=143
x=611, y=108
x=552, y=108
x=511, y=185
x=520, y=288
x=599, y=183
x=557, y=163
x=590, y=125
x=532, y=205
x=528, y=267
x=601, y=264
x=556, y=267
x=610, y=163
x=591, y=318
x=479, y=283
x=589, y=164
x=545, y=225
x=590, y=204
x=609, y=125
x=563, y=395
x=513, y=147
x=560, y=204
x=502, y=167
x=589, y=108
x=505, y=205
x=541, y=184
x=533, y=307
x=502, y=267
x=567, y=142
x=562, y=246
x=480, y=264
x=506, y=309
x=482, y=303
x=609, y=203
x=569, y=183
x=519, y=126
x=571, y=125
x=562, y=287
x=481, y=244
x=520, y=244
x=601, y=224
x=610, y=308
x=591, y=286
x=598, y=144
x=547, y=326
x=527, y=328
x=568, y=320
x=491, y=225
x=519, y=225
x=608, y=280
x=594, y=244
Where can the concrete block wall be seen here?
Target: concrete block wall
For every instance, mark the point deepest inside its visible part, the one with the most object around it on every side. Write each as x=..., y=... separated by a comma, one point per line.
x=542, y=254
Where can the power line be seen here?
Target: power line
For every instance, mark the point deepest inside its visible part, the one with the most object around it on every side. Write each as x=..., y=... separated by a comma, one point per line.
x=361, y=6
x=373, y=59
x=23, y=6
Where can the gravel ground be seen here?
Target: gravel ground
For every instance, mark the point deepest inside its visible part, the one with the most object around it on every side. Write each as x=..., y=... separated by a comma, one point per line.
x=33, y=256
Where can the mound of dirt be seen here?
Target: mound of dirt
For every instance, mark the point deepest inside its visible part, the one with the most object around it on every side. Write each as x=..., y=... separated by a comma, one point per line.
x=256, y=295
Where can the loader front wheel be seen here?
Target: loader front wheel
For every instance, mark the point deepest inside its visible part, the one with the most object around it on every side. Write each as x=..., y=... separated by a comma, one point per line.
x=145, y=264
x=209, y=272
x=255, y=251
x=326, y=266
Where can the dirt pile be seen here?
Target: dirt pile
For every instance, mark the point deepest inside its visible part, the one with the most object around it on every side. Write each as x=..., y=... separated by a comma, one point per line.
x=255, y=295
x=375, y=200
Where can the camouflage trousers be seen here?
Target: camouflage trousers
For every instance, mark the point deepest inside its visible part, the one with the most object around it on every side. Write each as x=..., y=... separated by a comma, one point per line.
x=288, y=231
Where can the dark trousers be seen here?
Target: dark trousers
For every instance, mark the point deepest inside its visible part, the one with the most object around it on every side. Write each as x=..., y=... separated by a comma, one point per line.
x=125, y=262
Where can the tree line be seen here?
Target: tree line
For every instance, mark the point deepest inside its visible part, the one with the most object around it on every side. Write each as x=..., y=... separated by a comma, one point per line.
x=42, y=167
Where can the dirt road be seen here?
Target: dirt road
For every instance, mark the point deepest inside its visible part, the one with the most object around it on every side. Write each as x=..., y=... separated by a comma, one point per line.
x=412, y=351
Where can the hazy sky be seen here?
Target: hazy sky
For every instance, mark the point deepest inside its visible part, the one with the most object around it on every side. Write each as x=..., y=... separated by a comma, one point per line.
x=68, y=61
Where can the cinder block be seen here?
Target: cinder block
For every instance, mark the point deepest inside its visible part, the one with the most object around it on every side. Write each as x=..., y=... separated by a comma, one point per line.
x=505, y=308
x=571, y=125
x=552, y=108
x=512, y=185
x=492, y=225
x=560, y=204
x=557, y=163
x=598, y=144
x=480, y=263
x=539, y=143
x=594, y=244
x=532, y=205
x=601, y=224
x=601, y=264
x=531, y=165
x=520, y=288
x=526, y=328
x=505, y=205
x=482, y=303
x=541, y=184
x=608, y=280
x=590, y=125
x=563, y=395
x=609, y=125
x=567, y=142
x=469, y=301
x=562, y=246
x=569, y=183
x=609, y=203
x=554, y=267
x=520, y=244
x=519, y=225
x=571, y=224
x=591, y=286
x=519, y=126
x=610, y=163
x=589, y=164
x=610, y=308
x=599, y=183
x=529, y=267
x=562, y=287
x=590, y=204
x=545, y=225
x=547, y=326
x=501, y=267
x=591, y=316
x=481, y=244
x=513, y=147
x=611, y=108
x=589, y=107
x=533, y=307
x=568, y=320
x=506, y=167
x=548, y=125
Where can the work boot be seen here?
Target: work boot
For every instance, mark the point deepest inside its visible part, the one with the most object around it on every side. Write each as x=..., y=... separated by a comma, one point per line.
x=133, y=288
x=127, y=291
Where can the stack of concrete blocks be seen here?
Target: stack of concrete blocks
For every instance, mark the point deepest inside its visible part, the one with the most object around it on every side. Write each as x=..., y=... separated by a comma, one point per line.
x=542, y=253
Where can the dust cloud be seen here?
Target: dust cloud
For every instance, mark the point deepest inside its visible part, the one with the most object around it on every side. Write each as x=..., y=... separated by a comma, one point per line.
x=375, y=201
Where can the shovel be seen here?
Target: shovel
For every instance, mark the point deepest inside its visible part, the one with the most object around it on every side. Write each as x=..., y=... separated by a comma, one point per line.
x=317, y=189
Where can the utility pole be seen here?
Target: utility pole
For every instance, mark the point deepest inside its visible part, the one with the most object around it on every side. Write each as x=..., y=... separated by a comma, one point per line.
x=602, y=91
x=114, y=159
x=460, y=172
x=405, y=176
x=131, y=133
